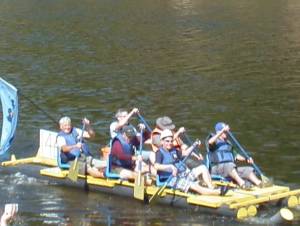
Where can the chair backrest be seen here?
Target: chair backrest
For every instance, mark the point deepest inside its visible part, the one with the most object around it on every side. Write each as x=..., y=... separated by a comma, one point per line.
x=48, y=147
x=207, y=156
x=108, y=172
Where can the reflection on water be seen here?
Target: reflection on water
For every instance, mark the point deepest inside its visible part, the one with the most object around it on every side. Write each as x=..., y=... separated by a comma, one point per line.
x=197, y=61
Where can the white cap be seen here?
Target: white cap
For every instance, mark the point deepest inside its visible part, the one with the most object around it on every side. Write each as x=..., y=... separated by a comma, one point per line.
x=166, y=133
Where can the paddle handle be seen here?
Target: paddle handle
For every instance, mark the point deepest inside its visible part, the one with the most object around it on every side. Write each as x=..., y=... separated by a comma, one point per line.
x=243, y=152
x=144, y=122
x=140, y=161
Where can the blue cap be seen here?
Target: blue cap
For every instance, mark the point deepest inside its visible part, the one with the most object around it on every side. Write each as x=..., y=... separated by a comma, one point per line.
x=219, y=126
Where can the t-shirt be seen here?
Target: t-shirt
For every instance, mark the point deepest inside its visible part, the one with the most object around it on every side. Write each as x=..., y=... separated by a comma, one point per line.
x=112, y=129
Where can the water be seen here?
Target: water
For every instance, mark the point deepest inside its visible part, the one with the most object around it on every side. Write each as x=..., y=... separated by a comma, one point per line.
x=198, y=62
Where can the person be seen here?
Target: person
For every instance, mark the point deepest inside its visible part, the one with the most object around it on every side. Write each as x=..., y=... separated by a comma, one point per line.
x=122, y=119
x=71, y=146
x=9, y=214
x=223, y=159
x=166, y=122
x=168, y=163
x=162, y=123
x=124, y=160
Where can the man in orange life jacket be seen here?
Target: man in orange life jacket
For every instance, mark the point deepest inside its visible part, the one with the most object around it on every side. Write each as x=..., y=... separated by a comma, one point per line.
x=166, y=122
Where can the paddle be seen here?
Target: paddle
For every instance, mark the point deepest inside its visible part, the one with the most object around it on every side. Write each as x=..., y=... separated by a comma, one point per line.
x=190, y=143
x=144, y=122
x=139, y=189
x=73, y=171
x=264, y=178
x=162, y=188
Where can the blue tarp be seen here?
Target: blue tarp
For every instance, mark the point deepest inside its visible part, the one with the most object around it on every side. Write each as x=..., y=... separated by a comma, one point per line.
x=9, y=102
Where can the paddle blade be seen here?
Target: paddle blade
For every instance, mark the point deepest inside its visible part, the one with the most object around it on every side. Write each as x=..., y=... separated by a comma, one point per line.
x=73, y=171
x=158, y=192
x=139, y=187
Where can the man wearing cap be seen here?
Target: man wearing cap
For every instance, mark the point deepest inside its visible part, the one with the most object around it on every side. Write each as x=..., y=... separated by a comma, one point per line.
x=123, y=153
x=162, y=123
x=168, y=163
x=223, y=158
x=68, y=141
x=166, y=122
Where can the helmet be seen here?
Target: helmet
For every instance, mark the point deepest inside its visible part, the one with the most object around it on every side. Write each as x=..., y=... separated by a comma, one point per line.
x=166, y=133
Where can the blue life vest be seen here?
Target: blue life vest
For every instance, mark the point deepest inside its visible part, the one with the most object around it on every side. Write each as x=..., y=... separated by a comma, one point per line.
x=72, y=139
x=170, y=157
x=127, y=149
x=222, y=153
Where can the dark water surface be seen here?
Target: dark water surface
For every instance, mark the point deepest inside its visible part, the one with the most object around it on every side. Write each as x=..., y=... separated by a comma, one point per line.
x=197, y=61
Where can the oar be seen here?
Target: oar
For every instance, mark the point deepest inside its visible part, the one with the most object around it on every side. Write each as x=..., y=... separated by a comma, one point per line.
x=139, y=189
x=73, y=171
x=264, y=178
x=144, y=122
x=162, y=188
x=190, y=143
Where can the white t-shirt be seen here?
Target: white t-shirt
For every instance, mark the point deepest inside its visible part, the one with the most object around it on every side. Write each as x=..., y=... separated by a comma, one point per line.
x=112, y=129
x=61, y=141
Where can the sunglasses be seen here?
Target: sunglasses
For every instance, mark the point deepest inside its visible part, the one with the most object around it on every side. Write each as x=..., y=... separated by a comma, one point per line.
x=168, y=141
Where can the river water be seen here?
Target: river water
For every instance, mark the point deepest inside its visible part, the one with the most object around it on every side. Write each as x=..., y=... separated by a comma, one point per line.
x=197, y=61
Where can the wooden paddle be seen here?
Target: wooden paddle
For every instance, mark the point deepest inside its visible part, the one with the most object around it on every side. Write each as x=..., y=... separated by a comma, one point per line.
x=263, y=178
x=74, y=168
x=160, y=190
x=139, y=180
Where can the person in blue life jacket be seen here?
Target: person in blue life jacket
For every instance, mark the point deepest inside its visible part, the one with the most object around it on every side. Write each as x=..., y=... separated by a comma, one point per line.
x=68, y=141
x=124, y=155
x=223, y=159
x=168, y=162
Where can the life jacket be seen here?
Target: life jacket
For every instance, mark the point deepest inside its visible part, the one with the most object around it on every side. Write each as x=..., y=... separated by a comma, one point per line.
x=72, y=139
x=176, y=142
x=169, y=157
x=126, y=148
x=222, y=152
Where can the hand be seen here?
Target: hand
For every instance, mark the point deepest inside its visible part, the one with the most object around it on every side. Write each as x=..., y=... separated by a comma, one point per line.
x=135, y=111
x=181, y=130
x=197, y=143
x=139, y=158
x=249, y=160
x=78, y=145
x=85, y=121
x=142, y=126
x=200, y=157
x=226, y=128
x=174, y=171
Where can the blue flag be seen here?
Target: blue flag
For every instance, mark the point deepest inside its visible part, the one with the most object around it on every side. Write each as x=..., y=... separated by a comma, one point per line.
x=9, y=102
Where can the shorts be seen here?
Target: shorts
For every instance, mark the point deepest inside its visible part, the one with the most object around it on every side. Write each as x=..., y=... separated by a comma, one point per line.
x=224, y=170
x=183, y=181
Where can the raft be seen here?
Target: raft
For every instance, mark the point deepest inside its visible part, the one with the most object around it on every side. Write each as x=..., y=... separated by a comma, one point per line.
x=237, y=203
